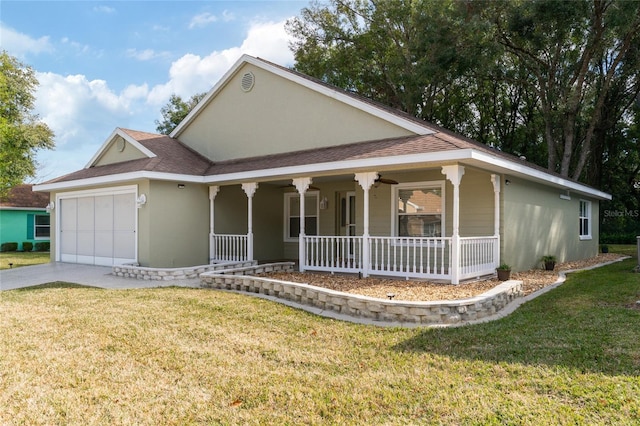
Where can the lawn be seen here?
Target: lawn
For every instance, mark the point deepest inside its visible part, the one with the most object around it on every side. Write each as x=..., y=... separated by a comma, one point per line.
x=16, y=259
x=176, y=356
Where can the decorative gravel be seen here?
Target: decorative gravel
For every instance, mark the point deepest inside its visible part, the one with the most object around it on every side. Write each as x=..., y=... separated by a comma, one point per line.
x=415, y=290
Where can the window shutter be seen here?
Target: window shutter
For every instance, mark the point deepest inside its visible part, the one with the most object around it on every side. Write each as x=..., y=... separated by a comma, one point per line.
x=30, y=226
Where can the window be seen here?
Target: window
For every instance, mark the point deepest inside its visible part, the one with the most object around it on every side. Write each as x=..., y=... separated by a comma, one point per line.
x=419, y=209
x=292, y=215
x=41, y=226
x=585, y=220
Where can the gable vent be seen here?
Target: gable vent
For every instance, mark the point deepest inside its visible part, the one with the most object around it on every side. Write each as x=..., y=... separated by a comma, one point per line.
x=248, y=80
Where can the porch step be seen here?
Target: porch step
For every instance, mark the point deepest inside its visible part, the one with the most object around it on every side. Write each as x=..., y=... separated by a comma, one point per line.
x=254, y=269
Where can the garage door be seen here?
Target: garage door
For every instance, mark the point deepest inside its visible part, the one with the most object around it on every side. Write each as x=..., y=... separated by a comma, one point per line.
x=98, y=230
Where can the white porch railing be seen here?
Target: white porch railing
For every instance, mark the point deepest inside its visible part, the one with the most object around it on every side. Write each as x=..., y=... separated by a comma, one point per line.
x=478, y=256
x=410, y=257
x=228, y=247
x=333, y=253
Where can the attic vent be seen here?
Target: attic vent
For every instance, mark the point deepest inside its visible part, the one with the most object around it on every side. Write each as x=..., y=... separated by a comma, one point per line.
x=248, y=80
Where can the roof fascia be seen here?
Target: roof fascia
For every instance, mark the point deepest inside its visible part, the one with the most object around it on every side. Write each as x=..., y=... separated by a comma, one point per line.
x=406, y=124
x=124, y=135
x=460, y=155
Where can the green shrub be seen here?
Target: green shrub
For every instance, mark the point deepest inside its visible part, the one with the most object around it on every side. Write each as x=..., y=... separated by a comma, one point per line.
x=9, y=247
x=27, y=246
x=43, y=246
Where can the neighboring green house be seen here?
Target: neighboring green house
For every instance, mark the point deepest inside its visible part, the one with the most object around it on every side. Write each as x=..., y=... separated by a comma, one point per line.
x=274, y=165
x=24, y=216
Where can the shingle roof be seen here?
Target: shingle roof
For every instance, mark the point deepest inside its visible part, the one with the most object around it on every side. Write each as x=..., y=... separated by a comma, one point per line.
x=23, y=196
x=172, y=156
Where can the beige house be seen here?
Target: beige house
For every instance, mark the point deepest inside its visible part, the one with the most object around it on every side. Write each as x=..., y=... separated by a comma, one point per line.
x=275, y=165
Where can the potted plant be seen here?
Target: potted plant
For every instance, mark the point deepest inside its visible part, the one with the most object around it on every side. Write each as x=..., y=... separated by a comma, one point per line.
x=604, y=248
x=549, y=262
x=504, y=272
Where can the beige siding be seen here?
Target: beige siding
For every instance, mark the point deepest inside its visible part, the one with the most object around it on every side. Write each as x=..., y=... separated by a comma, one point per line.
x=113, y=155
x=538, y=222
x=178, y=225
x=277, y=116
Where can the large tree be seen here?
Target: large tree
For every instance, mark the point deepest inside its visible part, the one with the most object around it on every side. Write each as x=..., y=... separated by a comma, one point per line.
x=21, y=132
x=175, y=111
x=536, y=78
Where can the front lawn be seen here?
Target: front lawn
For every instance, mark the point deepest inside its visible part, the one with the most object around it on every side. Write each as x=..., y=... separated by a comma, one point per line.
x=176, y=356
x=15, y=259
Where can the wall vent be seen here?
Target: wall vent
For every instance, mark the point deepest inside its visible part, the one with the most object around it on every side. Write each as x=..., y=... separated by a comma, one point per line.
x=248, y=80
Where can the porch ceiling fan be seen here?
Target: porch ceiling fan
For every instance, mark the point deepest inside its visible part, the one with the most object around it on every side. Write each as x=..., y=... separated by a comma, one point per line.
x=385, y=181
x=290, y=185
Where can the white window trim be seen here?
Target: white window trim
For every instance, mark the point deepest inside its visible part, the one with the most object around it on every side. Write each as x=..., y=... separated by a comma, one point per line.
x=35, y=227
x=394, y=207
x=589, y=218
x=287, y=204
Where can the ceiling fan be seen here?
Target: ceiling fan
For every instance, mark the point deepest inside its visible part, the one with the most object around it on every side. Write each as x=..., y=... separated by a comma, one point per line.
x=380, y=179
x=290, y=185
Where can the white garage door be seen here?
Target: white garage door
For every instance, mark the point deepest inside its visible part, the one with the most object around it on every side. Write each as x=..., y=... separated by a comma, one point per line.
x=98, y=229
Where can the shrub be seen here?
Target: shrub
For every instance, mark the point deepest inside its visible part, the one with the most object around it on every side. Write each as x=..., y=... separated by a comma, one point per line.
x=9, y=247
x=43, y=246
x=27, y=246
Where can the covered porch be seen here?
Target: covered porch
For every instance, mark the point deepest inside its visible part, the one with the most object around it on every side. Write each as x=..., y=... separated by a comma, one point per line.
x=423, y=241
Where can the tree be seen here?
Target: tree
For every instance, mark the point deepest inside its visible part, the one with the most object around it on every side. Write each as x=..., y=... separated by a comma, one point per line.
x=21, y=132
x=175, y=111
x=575, y=52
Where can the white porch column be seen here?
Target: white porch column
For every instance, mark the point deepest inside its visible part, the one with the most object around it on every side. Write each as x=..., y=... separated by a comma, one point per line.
x=366, y=180
x=250, y=190
x=495, y=180
x=454, y=175
x=302, y=185
x=213, y=191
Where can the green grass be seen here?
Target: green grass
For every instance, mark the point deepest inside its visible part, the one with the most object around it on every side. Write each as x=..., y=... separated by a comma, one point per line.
x=626, y=249
x=22, y=259
x=176, y=356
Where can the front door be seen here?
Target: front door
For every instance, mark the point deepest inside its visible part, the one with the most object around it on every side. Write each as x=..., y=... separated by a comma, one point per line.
x=347, y=216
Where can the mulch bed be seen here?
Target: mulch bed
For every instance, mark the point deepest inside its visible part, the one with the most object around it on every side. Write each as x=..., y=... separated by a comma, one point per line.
x=415, y=290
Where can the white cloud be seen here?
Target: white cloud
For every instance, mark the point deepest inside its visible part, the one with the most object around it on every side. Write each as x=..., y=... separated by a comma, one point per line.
x=18, y=44
x=146, y=54
x=193, y=74
x=104, y=9
x=202, y=20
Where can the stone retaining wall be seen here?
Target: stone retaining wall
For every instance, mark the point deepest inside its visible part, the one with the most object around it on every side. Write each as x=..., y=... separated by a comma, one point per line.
x=425, y=313
x=169, y=274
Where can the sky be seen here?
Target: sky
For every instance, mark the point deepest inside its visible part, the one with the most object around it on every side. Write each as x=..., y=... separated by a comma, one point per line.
x=107, y=64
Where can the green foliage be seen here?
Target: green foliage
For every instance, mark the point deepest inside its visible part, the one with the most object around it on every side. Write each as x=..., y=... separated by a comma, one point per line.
x=175, y=111
x=42, y=246
x=504, y=267
x=9, y=247
x=21, y=132
x=27, y=246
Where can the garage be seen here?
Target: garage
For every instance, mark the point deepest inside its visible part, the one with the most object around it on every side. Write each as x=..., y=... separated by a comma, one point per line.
x=97, y=228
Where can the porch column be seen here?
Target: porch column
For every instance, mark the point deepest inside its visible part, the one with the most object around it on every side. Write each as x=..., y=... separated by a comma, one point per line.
x=495, y=180
x=250, y=190
x=366, y=180
x=302, y=185
x=213, y=191
x=454, y=175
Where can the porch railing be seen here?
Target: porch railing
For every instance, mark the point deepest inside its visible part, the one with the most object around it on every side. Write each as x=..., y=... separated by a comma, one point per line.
x=228, y=247
x=410, y=257
x=478, y=256
x=333, y=253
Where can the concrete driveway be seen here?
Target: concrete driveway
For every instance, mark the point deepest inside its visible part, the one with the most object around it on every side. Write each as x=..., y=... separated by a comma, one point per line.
x=95, y=276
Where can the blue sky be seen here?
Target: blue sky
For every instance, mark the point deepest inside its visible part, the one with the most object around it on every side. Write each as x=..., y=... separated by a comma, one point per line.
x=109, y=64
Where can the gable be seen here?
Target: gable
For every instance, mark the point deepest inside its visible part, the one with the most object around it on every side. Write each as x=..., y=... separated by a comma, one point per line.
x=119, y=147
x=278, y=115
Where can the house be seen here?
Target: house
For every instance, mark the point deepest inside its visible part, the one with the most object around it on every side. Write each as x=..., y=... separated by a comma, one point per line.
x=24, y=216
x=275, y=165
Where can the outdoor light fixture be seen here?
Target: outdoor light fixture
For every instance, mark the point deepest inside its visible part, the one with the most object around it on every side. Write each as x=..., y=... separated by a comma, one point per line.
x=507, y=182
x=391, y=295
x=50, y=206
x=142, y=200
x=181, y=186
